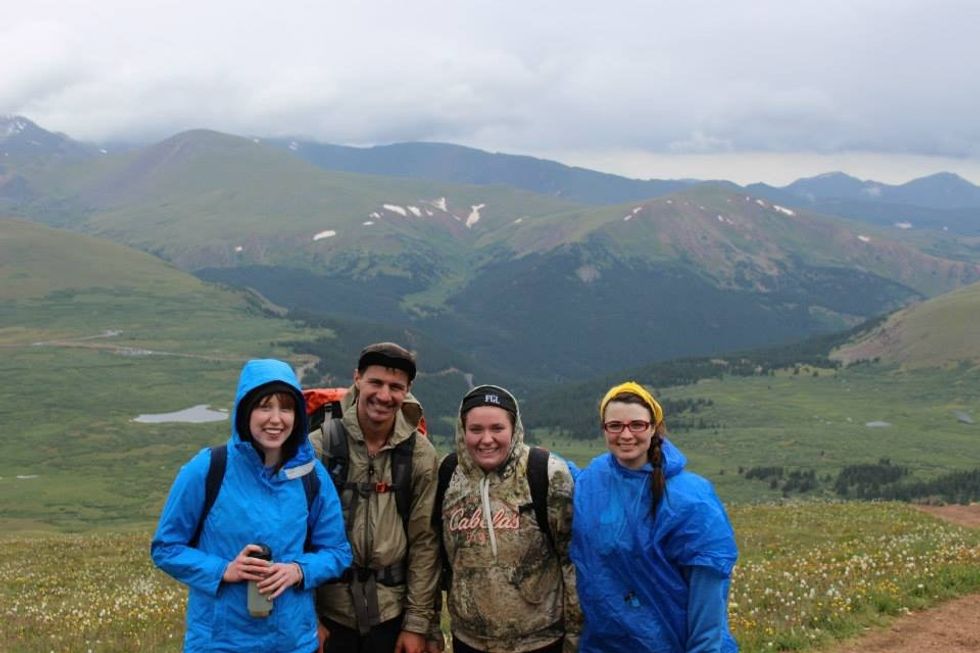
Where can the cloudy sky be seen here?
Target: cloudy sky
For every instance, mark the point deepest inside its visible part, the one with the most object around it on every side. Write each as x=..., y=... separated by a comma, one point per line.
x=748, y=90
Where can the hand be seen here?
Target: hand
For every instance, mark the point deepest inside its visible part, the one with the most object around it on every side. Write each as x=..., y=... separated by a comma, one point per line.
x=322, y=635
x=281, y=575
x=409, y=642
x=244, y=567
x=433, y=646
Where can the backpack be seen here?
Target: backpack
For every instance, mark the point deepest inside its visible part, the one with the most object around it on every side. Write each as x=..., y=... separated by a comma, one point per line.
x=537, y=480
x=323, y=411
x=212, y=486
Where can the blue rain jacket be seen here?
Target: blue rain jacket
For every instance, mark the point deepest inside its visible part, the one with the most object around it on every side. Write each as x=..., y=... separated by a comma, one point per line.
x=255, y=505
x=634, y=572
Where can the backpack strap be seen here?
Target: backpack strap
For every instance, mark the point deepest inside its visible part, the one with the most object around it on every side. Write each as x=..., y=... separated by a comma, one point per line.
x=537, y=480
x=321, y=413
x=401, y=478
x=336, y=453
x=446, y=469
x=212, y=485
x=311, y=486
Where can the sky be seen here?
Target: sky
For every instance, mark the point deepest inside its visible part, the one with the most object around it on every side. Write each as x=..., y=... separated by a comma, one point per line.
x=745, y=90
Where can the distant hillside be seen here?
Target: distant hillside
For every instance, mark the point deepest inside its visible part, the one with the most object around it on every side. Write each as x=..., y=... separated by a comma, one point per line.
x=23, y=142
x=936, y=332
x=36, y=261
x=519, y=281
x=942, y=201
x=466, y=165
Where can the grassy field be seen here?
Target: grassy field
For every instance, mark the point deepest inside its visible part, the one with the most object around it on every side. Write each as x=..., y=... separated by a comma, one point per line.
x=817, y=420
x=92, y=335
x=808, y=574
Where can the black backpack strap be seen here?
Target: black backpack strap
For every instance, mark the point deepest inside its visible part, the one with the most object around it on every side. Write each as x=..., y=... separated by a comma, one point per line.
x=336, y=453
x=212, y=485
x=401, y=477
x=446, y=469
x=537, y=480
x=311, y=486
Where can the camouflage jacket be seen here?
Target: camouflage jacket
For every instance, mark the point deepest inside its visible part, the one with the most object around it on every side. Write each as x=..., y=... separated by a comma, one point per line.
x=521, y=597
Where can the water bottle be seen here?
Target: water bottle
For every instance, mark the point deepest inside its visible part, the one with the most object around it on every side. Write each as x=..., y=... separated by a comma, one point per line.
x=258, y=604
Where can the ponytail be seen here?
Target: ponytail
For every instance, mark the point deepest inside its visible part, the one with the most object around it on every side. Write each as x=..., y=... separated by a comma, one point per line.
x=655, y=454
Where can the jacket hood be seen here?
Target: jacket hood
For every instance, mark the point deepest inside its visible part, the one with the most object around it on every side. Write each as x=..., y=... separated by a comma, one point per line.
x=516, y=444
x=674, y=459
x=268, y=374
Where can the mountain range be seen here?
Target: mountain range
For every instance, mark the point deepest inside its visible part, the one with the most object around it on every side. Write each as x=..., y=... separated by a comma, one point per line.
x=561, y=277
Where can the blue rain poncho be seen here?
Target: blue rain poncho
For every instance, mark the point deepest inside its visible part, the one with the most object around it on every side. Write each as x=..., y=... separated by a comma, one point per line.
x=255, y=504
x=636, y=574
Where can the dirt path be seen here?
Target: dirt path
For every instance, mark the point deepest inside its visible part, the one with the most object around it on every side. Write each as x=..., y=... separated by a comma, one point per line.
x=952, y=627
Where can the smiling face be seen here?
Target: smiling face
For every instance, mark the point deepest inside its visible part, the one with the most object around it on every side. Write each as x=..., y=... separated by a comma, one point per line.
x=271, y=423
x=629, y=448
x=488, y=434
x=381, y=392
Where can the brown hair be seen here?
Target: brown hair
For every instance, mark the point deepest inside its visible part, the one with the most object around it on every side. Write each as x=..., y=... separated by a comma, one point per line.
x=658, y=482
x=286, y=400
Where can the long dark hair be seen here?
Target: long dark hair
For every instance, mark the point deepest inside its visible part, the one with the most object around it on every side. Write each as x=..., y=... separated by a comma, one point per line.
x=655, y=454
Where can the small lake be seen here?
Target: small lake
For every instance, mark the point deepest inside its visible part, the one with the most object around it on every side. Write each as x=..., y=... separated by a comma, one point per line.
x=194, y=415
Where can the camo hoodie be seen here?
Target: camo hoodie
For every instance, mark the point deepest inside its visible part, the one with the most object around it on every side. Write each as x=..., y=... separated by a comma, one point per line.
x=509, y=591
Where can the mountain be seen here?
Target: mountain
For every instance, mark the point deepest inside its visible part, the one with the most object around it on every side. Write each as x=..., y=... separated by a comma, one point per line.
x=944, y=201
x=464, y=165
x=933, y=333
x=520, y=281
x=939, y=191
x=23, y=142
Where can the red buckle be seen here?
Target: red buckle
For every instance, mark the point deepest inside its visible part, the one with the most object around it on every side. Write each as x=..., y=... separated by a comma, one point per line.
x=381, y=487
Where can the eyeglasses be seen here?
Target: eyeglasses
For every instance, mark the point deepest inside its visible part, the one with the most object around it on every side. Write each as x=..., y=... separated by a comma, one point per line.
x=636, y=427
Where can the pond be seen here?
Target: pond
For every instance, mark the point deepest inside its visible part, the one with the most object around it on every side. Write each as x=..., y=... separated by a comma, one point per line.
x=194, y=415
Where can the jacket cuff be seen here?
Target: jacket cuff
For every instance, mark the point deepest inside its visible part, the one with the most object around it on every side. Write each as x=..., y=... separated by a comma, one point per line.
x=414, y=623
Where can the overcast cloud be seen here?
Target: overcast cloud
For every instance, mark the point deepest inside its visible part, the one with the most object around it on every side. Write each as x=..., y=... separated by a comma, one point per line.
x=746, y=90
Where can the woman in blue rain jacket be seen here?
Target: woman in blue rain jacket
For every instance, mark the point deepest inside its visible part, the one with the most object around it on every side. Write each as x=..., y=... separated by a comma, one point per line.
x=262, y=499
x=652, y=546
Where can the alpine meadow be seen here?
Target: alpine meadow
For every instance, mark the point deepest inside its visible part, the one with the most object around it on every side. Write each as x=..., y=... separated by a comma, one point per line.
x=816, y=348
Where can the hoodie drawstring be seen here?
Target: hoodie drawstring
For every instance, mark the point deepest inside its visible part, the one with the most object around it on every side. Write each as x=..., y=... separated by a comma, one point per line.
x=487, y=517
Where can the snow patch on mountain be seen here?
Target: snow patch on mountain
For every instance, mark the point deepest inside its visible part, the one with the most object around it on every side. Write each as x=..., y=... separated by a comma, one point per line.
x=783, y=209
x=440, y=204
x=474, y=215
x=864, y=239
x=394, y=208
x=903, y=225
x=416, y=211
x=12, y=126
x=328, y=233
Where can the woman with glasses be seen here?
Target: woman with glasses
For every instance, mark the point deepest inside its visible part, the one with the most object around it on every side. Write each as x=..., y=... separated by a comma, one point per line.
x=652, y=546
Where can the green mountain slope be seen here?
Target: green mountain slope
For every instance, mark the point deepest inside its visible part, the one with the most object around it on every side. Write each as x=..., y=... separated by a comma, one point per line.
x=93, y=334
x=204, y=199
x=521, y=281
x=933, y=333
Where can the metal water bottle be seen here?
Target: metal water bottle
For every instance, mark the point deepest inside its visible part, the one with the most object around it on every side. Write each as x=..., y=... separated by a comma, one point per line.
x=258, y=604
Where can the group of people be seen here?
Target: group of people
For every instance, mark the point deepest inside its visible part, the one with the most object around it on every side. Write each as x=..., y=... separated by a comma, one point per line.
x=365, y=526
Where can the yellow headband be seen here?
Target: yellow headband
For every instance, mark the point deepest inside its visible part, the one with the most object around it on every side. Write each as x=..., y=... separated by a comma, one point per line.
x=632, y=387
